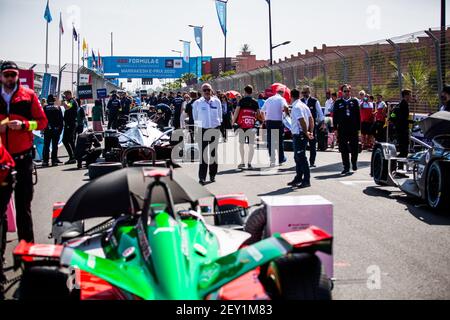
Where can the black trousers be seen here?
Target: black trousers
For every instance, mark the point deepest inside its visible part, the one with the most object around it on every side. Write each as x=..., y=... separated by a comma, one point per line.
x=348, y=144
x=112, y=120
x=69, y=140
x=313, y=147
x=275, y=127
x=403, y=143
x=51, y=136
x=379, y=131
x=208, y=157
x=5, y=195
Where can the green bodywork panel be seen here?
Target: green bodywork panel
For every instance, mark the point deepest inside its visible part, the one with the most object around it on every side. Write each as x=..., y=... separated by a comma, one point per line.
x=180, y=260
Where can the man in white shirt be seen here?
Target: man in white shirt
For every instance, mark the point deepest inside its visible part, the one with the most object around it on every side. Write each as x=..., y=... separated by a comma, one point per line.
x=207, y=114
x=302, y=132
x=314, y=106
x=273, y=108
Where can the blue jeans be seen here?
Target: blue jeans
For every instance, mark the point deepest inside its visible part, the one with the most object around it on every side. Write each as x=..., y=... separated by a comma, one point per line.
x=277, y=128
x=301, y=162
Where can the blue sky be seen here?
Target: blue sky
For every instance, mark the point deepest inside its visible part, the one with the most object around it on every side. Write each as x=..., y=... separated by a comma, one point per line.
x=153, y=27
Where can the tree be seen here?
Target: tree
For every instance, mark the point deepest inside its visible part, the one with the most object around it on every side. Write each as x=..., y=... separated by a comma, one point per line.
x=188, y=77
x=227, y=73
x=245, y=49
x=206, y=77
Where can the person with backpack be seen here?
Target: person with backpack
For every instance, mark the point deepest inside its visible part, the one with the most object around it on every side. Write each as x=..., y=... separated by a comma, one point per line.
x=245, y=115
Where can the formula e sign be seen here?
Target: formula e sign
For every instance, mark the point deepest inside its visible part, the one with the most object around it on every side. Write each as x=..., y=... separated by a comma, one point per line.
x=143, y=67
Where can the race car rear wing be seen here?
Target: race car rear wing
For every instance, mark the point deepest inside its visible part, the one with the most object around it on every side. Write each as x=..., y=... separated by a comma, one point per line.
x=31, y=252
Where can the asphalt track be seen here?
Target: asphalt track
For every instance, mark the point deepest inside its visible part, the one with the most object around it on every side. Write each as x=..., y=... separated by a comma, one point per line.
x=386, y=245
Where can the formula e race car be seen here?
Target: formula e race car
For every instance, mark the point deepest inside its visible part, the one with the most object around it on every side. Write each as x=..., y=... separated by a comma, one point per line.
x=156, y=244
x=426, y=173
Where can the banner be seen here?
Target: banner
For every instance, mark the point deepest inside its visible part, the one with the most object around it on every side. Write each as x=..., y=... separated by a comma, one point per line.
x=84, y=78
x=198, y=33
x=26, y=78
x=85, y=92
x=45, y=86
x=187, y=51
x=53, y=84
x=221, y=8
x=101, y=93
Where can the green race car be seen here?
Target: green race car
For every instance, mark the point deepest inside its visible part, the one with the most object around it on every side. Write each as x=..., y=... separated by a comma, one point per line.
x=156, y=245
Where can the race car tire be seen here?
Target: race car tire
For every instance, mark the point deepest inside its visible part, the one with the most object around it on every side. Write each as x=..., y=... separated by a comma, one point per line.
x=101, y=168
x=379, y=167
x=437, y=187
x=298, y=277
x=45, y=283
x=256, y=225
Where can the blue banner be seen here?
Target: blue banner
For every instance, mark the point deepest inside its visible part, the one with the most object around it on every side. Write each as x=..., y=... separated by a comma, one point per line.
x=53, y=84
x=102, y=93
x=142, y=67
x=47, y=14
x=187, y=51
x=221, y=8
x=45, y=85
x=198, y=34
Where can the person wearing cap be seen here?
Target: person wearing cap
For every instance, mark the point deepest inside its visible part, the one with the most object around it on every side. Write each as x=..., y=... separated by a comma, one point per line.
x=207, y=114
x=70, y=125
x=20, y=114
x=273, y=108
x=52, y=132
x=445, y=99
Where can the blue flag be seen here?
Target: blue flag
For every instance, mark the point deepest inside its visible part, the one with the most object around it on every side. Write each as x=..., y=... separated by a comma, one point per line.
x=187, y=51
x=47, y=14
x=198, y=33
x=94, y=60
x=221, y=8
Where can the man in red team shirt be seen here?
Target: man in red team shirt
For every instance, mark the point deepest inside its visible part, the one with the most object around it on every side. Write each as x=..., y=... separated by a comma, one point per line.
x=20, y=114
x=367, y=117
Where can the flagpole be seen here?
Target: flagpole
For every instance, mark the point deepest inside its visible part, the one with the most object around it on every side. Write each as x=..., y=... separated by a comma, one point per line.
x=59, y=50
x=46, y=48
x=78, y=63
x=72, y=57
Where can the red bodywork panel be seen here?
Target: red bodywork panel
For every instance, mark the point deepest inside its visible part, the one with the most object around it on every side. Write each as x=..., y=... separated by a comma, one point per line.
x=30, y=251
x=239, y=200
x=307, y=237
x=57, y=208
x=246, y=287
x=94, y=288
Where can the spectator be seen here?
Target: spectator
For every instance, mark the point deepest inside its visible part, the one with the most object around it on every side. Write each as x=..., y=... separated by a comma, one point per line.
x=316, y=111
x=70, y=125
x=367, y=118
x=177, y=104
x=226, y=115
x=97, y=116
x=328, y=104
x=380, y=119
x=400, y=119
x=20, y=114
x=81, y=120
x=52, y=132
x=347, y=122
x=207, y=114
x=125, y=103
x=302, y=131
x=446, y=99
x=113, y=108
x=273, y=108
x=245, y=115
x=193, y=96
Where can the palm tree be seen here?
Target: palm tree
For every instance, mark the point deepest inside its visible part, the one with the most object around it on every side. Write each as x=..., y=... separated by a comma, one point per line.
x=245, y=48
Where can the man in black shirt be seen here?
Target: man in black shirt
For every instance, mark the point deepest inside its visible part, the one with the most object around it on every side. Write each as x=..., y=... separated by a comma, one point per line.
x=53, y=131
x=125, y=103
x=400, y=118
x=70, y=125
x=245, y=115
x=177, y=103
x=113, y=111
x=346, y=119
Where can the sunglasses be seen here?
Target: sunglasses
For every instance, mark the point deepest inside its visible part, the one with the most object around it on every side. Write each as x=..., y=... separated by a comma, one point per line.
x=346, y=91
x=9, y=75
x=206, y=90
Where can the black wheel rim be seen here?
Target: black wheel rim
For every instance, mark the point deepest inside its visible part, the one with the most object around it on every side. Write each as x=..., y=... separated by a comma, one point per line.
x=434, y=182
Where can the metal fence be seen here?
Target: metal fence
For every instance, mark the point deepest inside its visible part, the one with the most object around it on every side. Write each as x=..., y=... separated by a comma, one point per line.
x=384, y=67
